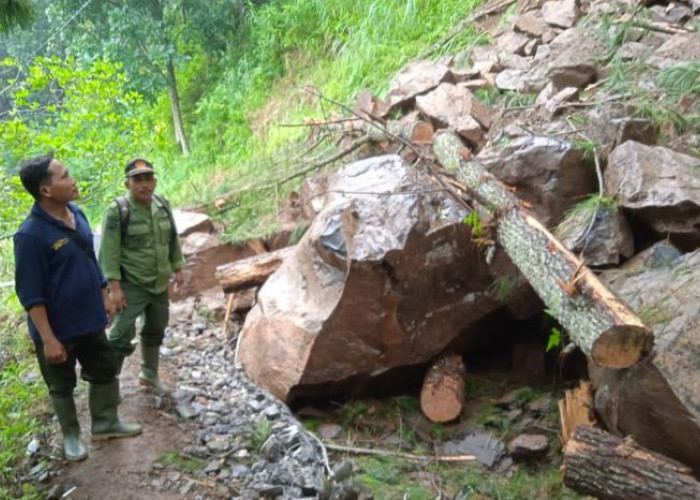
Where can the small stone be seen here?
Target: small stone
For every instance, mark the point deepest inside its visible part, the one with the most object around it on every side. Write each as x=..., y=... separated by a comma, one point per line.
x=185, y=411
x=213, y=466
x=528, y=446
x=218, y=444
x=33, y=446
x=255, y=405
x=174, y=476
x=272, y=412
x=330, y=431
x=239, y=471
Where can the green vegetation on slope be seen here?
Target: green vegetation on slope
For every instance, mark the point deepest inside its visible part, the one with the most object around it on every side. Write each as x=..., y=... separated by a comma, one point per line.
x=333, y=46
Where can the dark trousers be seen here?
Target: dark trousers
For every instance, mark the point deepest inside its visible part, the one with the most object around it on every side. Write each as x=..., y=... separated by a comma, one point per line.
x=96, y=358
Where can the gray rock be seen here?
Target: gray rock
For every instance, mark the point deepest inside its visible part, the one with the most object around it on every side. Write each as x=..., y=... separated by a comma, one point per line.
x=528, y=446
x=415, y=79
x=185, y=410
x=218, y=444
x=330, y=431
x=561, y=13
x=272, y=412
x=548, y=173
x=679, y=50
x=573, y=58
x=239, y=471
x=487, y=449
x=658, y=186
x=601, y=234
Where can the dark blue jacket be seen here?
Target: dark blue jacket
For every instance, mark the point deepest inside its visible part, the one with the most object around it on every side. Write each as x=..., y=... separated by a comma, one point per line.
x=56, y=266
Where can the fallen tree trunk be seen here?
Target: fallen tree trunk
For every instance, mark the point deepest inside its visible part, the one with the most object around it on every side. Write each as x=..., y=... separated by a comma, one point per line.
x=611, y=468
x=600, y=323
x=253, y=271
x=442, y=395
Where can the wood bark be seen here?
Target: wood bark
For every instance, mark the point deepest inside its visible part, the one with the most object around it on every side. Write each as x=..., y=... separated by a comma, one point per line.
x=253, y=271
x=175, y=108
x=611, y=468
x=576, y=408
x=442, y=395
x=157, y=13
x=598, y=321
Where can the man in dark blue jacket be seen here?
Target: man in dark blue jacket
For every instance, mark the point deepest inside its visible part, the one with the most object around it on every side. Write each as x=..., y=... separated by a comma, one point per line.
x=61, y=286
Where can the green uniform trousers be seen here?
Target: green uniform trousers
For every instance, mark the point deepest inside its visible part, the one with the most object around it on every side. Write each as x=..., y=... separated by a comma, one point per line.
x=154, y=307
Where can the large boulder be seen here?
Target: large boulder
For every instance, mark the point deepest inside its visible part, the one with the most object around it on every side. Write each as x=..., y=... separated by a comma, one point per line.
x=660, y=187
x=385, y=276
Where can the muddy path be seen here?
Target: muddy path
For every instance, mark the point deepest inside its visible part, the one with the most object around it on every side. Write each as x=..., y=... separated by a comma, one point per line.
x=134, y=468
x=216, y=437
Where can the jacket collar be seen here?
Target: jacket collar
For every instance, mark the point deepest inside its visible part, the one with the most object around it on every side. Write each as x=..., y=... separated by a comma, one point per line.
x=39, y=212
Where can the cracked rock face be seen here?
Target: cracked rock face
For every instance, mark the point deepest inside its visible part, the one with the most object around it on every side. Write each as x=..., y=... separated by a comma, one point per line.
x=659, y=187
x=386, y=276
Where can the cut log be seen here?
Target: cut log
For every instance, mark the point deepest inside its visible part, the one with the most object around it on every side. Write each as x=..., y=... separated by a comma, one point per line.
x=598, y=321
x=253, y=271
x=576, y=408
x=418, y=132
x=442, y=395
x=611, y=468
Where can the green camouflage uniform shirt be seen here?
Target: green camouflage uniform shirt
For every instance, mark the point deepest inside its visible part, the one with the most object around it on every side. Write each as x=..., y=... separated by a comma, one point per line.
x=149, y=252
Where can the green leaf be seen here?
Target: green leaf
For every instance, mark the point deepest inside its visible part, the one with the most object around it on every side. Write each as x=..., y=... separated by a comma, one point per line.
x=554, y=339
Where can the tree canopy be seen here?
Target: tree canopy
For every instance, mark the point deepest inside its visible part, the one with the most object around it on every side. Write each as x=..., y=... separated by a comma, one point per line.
x=15, y=14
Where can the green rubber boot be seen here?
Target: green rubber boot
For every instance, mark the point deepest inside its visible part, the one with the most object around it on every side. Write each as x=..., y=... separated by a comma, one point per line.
x=103, y=408
x=149, y=369
x=74, y=447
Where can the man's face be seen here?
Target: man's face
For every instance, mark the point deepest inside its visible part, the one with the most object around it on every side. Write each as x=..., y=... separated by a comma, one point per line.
x=142, y=187
x=62, y=187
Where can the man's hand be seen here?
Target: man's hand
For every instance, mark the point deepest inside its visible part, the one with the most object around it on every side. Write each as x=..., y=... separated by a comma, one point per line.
x=109, y=305
x=54, y=351
x=117, y=295
x=178, y=281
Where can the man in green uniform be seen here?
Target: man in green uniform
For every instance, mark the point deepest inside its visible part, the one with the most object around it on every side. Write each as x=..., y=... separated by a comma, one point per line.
x=139, y=252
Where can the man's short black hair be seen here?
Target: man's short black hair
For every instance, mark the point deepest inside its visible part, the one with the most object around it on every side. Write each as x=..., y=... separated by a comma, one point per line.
x=34, y=173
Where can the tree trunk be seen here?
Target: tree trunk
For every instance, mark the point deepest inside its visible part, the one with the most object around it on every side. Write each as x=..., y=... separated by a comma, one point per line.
x=175, y=108
x=156, y=7
x=576, y=409
x=442, y=395
x=253, y=271
x=600, y=323
x=611, y=468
